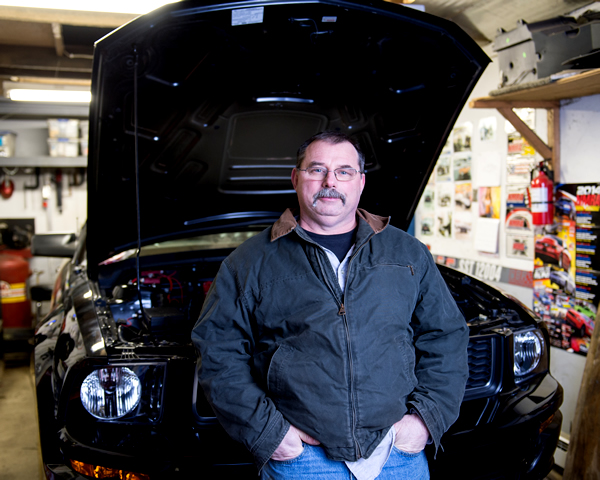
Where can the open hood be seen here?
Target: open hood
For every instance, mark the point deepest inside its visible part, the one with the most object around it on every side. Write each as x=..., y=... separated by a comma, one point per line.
x=213, y=100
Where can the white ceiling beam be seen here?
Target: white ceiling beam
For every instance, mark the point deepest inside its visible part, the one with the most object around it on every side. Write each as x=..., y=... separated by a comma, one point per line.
x=65, y=17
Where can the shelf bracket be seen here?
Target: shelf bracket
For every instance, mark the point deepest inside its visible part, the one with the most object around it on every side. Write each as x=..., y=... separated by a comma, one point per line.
x=549, y=151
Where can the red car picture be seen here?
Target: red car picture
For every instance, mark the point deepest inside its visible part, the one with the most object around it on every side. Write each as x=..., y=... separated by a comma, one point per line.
x=551, y=249
x=582, y=325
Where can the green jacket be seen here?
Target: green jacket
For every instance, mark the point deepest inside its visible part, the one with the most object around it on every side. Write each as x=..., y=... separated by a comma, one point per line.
x=281, y=344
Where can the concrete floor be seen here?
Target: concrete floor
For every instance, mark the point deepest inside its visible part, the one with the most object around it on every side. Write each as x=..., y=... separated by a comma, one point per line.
x=19, y=442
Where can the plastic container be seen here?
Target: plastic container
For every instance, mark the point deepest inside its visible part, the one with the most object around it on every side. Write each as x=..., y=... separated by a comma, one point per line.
x=63, y=128
x=7, y=143
x=63, y=147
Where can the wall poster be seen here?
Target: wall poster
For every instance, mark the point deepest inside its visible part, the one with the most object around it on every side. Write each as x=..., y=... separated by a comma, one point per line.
x=567, y=267
x=518, y=224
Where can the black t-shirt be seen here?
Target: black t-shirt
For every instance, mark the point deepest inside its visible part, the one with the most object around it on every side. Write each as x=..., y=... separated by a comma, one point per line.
x=338, y=244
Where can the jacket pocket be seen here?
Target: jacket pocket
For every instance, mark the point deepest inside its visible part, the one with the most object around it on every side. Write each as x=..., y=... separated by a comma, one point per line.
x=407, y=350
x=277, y=368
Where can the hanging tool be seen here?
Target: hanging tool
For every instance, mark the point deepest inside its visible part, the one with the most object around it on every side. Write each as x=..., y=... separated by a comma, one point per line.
x=78, y=177
x=46, y=190
x=58, y=183
x=7, y=187
x=36, y=185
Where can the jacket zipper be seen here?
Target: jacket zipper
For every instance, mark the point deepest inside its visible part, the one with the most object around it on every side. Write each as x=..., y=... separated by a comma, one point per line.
x=351, y=363
x=342, y=312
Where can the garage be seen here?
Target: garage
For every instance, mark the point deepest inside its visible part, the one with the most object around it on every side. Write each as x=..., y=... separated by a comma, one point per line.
x=476, y=125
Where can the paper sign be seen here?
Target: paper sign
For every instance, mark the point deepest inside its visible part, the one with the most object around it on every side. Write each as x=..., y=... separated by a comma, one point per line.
x=486, y=236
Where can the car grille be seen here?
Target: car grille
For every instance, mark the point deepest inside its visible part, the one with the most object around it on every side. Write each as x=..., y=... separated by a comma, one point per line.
x=484, y=367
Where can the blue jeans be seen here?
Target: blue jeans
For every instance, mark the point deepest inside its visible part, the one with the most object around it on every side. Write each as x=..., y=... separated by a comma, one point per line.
x=312, y=464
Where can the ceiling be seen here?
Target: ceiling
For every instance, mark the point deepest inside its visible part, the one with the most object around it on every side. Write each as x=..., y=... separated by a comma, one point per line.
x=57, y=45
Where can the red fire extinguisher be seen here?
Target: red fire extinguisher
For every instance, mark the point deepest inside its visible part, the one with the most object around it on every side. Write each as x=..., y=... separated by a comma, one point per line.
x=541, y=193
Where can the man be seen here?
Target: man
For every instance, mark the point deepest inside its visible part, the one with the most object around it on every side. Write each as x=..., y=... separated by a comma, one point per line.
x=330, y=345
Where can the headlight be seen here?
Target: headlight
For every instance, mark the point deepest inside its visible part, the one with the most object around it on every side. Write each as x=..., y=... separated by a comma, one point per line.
x=111, y=392
x=529, y=347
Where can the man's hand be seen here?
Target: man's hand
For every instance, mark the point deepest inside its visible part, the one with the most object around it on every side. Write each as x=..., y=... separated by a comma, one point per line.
x=411, y=434
x=291, y=445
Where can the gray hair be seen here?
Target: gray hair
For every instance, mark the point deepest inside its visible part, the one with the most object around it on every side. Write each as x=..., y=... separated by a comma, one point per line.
x=333, y=138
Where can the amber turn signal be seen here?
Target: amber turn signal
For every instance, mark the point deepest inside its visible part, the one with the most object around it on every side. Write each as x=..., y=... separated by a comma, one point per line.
x=98, y=471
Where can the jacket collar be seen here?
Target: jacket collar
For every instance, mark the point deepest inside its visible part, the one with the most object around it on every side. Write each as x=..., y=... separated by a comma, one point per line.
x=287, y=223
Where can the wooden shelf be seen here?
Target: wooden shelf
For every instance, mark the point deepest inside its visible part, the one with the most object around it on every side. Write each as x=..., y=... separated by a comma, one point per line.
x=542, y=95
x=581, y=85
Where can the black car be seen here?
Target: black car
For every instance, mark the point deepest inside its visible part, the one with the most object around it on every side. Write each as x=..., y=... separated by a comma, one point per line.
x=197, y=111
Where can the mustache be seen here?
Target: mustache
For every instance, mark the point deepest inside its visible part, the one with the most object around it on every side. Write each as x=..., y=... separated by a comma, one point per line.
x=329, y=193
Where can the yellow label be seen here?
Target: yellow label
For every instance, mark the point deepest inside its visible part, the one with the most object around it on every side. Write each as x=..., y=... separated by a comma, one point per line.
x=12, y=292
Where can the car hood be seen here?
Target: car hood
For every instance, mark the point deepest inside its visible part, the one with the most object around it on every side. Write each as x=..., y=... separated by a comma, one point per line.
x=200, y=108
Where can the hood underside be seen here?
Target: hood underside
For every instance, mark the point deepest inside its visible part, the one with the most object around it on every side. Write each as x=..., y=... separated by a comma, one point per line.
x=214, y=99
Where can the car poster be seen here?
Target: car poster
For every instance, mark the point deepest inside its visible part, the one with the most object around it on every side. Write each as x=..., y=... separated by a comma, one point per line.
x=427, y=224
x=429, y=198
x=518, y=168
x=519, y=224
x=443, y=195
x=461, y=137
x=462, y=167
x=442, y=169
x=443, y=223
x=446, y=204
x=567, y=269
x=517, y=145
x=487, y=129
x=463, y=202
x=519, y=246
x=463, y=196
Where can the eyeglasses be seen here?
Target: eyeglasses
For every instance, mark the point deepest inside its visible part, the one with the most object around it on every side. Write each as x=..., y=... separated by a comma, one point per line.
x=342, y=174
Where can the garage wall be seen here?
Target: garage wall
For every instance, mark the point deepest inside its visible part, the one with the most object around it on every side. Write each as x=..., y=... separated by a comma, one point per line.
x=580, y=144
x=465, y=249
x=31, y=142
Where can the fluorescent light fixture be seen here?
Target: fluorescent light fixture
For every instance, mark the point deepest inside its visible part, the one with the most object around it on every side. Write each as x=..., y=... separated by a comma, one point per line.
x=40, y=92
x=106, y=6
x=61, y=96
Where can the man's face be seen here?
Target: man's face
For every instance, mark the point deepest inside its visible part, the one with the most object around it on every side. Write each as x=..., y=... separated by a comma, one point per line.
x=328, y=206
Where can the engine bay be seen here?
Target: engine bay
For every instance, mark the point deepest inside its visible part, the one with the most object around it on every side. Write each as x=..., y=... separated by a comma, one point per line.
x=167, y=304
x=173, y=288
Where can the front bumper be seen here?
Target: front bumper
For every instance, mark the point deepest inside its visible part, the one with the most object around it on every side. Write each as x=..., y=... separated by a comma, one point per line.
x=519, y=443
x=515, y=437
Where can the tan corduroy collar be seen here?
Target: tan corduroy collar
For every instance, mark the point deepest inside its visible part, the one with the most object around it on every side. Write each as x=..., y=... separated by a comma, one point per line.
x=287, y=223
